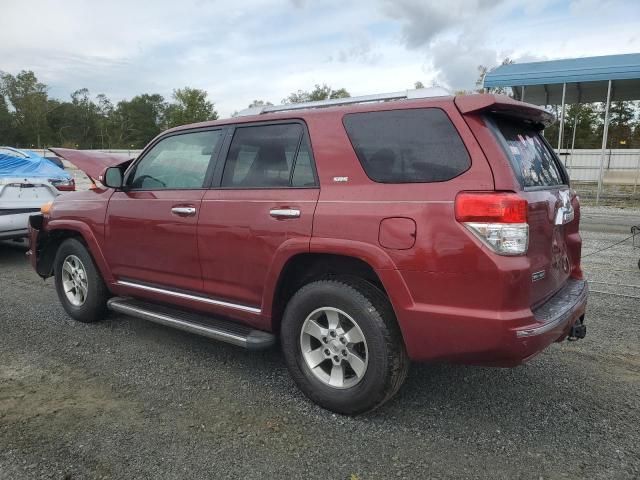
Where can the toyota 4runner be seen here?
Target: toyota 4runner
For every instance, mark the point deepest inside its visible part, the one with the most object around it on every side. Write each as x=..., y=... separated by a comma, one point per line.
x=360, y=233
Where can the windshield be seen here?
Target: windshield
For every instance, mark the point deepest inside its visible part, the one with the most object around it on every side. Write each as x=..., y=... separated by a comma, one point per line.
x=534, y=162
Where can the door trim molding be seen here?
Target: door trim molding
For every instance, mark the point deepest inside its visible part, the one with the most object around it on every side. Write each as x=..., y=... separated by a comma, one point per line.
x=188, y=296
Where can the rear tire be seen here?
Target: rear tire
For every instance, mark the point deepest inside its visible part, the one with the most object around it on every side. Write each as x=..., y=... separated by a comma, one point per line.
x=79, y=285
x=338, y=374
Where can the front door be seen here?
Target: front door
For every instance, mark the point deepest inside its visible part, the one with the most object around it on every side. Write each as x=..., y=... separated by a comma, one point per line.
x=151, y=224
x=263, y=202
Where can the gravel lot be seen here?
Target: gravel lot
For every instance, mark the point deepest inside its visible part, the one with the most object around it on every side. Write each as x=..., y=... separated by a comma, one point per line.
x=129, y=399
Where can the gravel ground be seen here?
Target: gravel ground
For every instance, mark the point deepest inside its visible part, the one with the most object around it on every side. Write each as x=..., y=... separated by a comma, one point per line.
x=129, y=399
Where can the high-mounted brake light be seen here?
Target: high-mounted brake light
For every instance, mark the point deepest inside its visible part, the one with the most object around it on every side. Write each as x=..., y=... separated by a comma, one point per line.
x=499, y=219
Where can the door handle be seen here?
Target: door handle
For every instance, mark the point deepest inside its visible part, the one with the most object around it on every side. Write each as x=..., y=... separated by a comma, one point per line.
x=284, y=213
x=184, y=211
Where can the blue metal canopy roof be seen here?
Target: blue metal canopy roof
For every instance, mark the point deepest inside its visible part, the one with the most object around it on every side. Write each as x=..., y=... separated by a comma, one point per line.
x=586, y=78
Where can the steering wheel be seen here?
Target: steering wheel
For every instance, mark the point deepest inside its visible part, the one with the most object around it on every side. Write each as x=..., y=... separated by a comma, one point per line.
x=140, y=180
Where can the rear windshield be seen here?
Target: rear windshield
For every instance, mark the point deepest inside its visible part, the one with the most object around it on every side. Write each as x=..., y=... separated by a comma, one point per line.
x=531, y=157
x=407, y=146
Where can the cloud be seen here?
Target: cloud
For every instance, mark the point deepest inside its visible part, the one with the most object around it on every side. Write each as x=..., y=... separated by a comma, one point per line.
x=360, y=50
x=265, y=49
x=422, y=21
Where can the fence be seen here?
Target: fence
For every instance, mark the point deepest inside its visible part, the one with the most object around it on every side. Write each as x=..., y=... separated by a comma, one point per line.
x=132, y=153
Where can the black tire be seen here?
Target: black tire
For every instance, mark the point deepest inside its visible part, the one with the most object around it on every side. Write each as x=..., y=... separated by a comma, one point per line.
x=94, y=307
x=388, y=363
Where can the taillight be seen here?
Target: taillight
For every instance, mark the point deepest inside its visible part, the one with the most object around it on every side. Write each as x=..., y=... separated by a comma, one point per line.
x=499, y=219
x=64, y=185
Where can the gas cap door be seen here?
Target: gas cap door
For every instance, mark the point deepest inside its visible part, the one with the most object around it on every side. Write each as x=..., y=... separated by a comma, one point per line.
x=397, y=233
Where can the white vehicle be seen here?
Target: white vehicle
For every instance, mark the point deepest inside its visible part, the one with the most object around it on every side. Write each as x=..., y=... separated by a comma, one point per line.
x=27, y=181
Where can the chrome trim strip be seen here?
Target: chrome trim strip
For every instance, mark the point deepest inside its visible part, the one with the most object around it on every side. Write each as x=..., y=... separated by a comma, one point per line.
x=173, y=322
x=187, y=296
x=238, y=200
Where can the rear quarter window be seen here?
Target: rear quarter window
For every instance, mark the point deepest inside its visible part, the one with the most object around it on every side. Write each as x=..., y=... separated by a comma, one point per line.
x=407, y=146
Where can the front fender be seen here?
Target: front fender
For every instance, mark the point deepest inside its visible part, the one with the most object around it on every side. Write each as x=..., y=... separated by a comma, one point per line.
x=90, y=240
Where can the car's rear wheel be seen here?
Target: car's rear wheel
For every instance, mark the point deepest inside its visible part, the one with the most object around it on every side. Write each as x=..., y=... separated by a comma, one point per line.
x=79, y=285
x=343, y=346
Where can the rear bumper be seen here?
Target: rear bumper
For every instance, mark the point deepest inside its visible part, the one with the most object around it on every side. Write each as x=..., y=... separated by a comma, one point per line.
x=492, y=338
x=14, y=225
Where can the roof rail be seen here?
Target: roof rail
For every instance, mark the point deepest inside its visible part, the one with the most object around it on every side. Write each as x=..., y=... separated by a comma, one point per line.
x=379, y=97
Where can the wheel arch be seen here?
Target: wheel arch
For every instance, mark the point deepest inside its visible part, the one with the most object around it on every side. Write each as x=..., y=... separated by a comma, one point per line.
x=56, y=233
x=304, y=268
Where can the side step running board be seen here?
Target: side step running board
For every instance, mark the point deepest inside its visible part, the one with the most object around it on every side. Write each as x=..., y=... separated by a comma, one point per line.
x=218, y=329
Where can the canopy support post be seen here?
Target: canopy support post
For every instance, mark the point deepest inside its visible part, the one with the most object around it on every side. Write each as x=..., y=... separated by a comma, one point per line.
x=561, y=129
x=605, y=132
x=573, y=142
x=522, y=94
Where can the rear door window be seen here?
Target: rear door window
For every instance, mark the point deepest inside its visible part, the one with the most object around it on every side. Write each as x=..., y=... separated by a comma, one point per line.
x=407, y=146
x=269, y=156
x=532, y=159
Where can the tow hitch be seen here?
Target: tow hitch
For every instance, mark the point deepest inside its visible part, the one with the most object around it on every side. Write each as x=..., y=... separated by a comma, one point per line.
x=578, y=330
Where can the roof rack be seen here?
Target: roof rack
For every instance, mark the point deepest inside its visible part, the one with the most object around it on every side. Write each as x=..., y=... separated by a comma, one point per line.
x=380, y=97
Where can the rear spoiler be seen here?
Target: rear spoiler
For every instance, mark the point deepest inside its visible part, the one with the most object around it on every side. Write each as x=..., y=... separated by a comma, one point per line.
x=504, y=105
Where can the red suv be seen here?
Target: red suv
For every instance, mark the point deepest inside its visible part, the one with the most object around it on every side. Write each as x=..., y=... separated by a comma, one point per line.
x=363, y=233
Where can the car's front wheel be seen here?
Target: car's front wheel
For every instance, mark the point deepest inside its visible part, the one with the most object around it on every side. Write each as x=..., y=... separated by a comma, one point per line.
x=343, y=346
x=79, y=285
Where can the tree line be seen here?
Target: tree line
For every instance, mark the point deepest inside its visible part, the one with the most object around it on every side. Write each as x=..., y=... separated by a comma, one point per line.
x=30, y=118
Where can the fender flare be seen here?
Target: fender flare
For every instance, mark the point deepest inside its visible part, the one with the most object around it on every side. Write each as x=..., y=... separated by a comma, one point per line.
x=90, y=239
x=375, y=257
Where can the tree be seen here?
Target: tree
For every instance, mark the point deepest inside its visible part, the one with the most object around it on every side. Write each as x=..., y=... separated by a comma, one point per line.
x=7, y=130
x=259, y=103
x=621, y=116
x=28, y=97
x=418, y=85
x=191, y=106
x=482, y=72
x=139, y=120
x=105, y=122
x=319, y=92
x=585, y=117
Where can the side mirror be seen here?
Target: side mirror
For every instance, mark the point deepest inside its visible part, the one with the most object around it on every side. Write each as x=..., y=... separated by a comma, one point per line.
x=112, y=177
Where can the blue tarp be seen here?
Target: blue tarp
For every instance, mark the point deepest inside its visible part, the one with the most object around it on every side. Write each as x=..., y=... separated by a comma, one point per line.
x=24, y=163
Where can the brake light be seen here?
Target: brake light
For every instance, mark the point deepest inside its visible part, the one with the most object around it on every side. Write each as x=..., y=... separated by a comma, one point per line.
x=64, y=185
x=498, y=219
x=491, y=207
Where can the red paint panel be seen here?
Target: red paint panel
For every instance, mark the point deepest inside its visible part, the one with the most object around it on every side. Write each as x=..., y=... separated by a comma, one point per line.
x=145, y=241
x=239, y=240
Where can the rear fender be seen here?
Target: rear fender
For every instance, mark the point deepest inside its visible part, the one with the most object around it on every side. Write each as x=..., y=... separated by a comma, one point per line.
x=378, y=259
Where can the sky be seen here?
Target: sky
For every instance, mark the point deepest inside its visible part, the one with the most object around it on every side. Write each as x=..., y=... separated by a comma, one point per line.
x=242, y=50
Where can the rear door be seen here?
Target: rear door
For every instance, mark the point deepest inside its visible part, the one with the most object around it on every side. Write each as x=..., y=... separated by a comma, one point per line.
x=262, y=204
x=552, y=216
x=151, y=224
